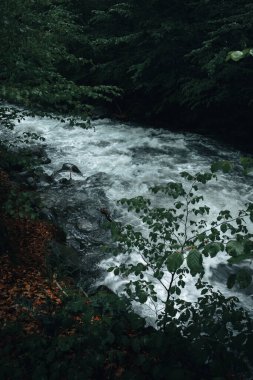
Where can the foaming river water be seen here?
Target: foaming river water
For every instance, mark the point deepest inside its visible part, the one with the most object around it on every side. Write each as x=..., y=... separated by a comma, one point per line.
x=122, y=160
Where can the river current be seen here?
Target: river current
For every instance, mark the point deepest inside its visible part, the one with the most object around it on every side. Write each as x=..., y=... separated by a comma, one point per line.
x=125, y=160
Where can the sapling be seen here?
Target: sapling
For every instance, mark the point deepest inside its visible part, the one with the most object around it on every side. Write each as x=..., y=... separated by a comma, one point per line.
x=174, y=241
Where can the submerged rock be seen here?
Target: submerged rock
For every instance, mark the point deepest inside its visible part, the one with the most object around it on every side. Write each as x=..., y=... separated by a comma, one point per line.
x=99, y=179
x=65, y=181
x=32, y=178
x=69, y=167
x=222, y=272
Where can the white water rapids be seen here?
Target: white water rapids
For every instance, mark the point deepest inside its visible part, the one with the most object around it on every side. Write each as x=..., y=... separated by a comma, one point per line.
x=135, y=158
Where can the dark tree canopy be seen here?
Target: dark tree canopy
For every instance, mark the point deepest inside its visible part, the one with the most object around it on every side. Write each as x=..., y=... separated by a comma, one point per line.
x=168, y=58
x=39, y=57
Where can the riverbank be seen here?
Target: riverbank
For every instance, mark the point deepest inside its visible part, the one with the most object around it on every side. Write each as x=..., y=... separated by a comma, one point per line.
x=46, y=319
x=59, y=332
x=52, y=329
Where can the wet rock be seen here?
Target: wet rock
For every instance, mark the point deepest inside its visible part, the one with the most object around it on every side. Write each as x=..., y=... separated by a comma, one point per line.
x=65, y=181
x=67, y=167
x=25, y=178
x=38, y=154
x=47, y=214
x=104, y=289
x=31, y=181
x=37, y=150
x=70, y=167
x=85, y=225
x=45, y=160
x=64, y=259
x=104, y=211
x=32, y=178
x=60, y=235
x=45, y=179
x=77, y=213
x=98, y=180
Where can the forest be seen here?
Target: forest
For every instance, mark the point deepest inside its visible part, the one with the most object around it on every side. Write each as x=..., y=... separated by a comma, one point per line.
x=159, y=73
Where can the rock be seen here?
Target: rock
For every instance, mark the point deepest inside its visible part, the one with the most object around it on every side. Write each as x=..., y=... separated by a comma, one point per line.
x=47, y=214
x=37, y=153
x=104, y=211
x=45, y=178
x=45, y=160
x=70, y=167
x=25, y=178
x=64, y=258
x=67, y=167
x=60, y=235
x=104, y=289
x=99, y=179
x=31, y=181
x=65, y=181
x=36, y=150
x=85, y=225
x=77, y=213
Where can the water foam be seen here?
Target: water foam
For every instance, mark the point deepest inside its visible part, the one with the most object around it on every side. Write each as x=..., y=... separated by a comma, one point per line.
x=135, y=158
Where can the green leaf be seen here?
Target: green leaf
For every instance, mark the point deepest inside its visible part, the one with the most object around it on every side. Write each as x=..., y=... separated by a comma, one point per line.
x=235, y=248
x=224, y=228
x=178, y=291
x=172, y=189
x=238, y=259
x=194, y=262
x=174, y=262
x=225, y=166
x=247, y=164
x=248, y=247
x=115, y=231
x=212, y=249
x=235, y=55
x=142, y=297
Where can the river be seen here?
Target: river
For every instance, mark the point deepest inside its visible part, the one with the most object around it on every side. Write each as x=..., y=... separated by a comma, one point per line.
x=123, y=160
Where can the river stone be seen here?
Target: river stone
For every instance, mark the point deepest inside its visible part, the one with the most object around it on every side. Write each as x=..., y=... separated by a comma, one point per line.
x=38, y=152
x=31, y=181
x=98, y=180
x=65, y=181
x=26, y=178
x=104, y=289
x=47, y=214
x=70, y=167
x=45, y=178
x=85, y=225
x=45, y=160
x=76, y=211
